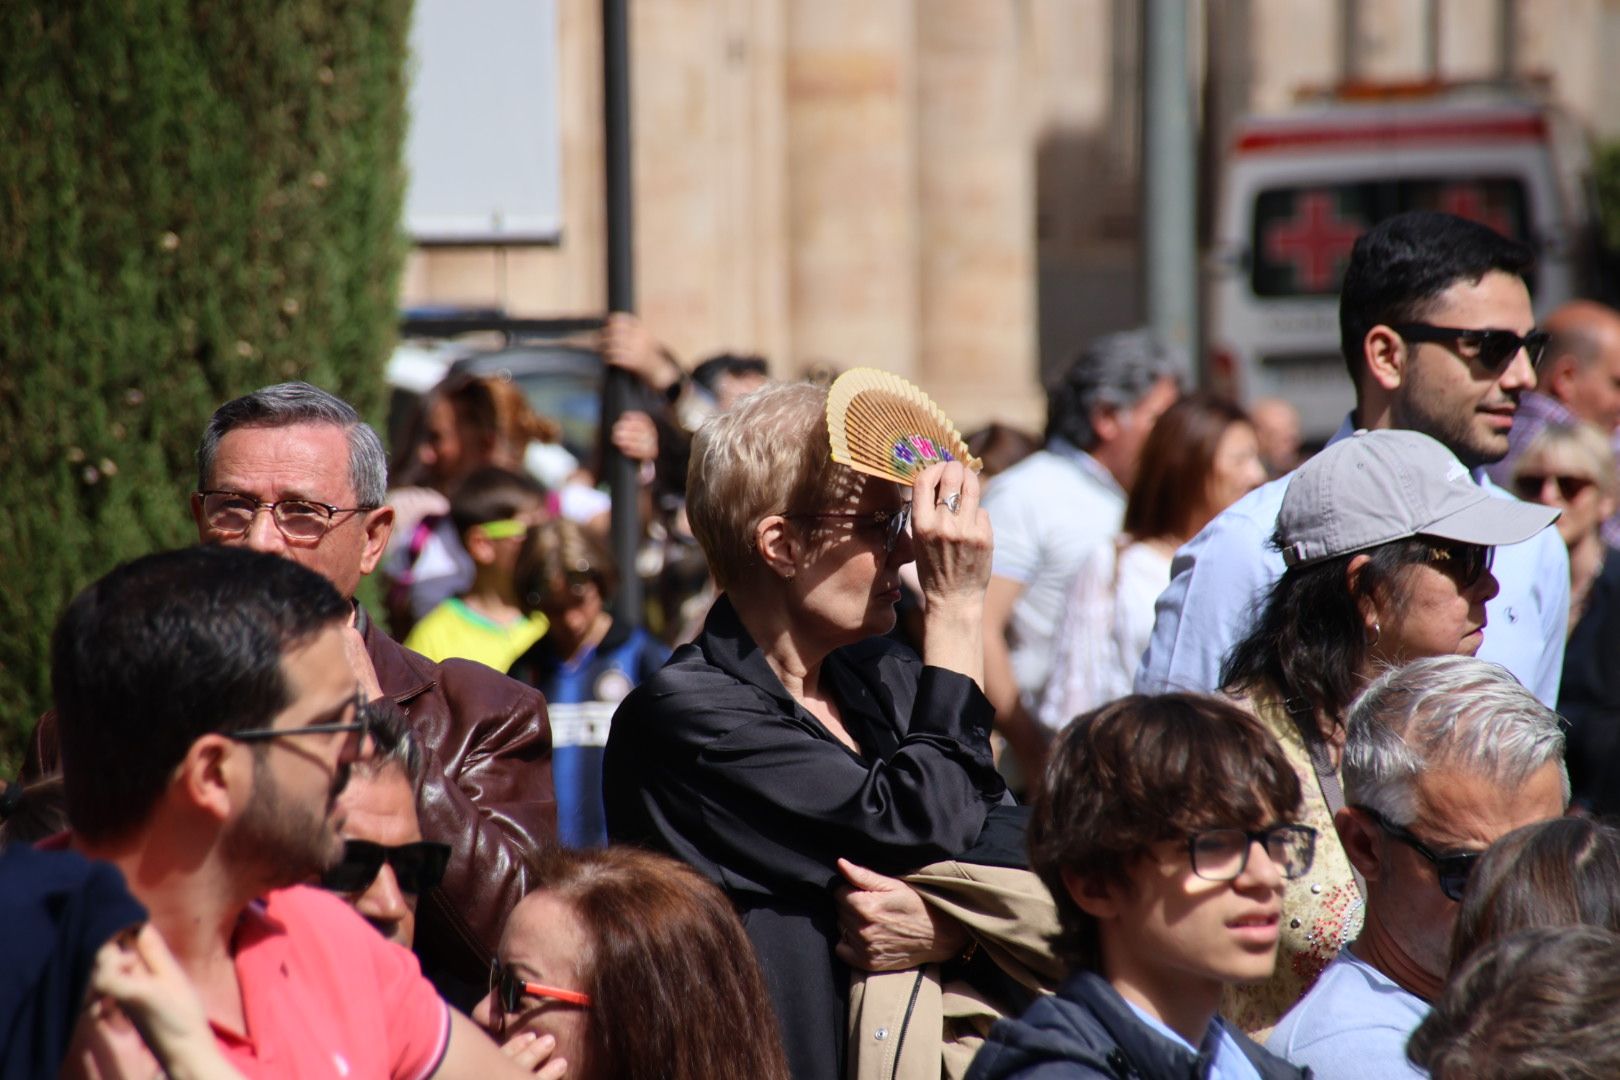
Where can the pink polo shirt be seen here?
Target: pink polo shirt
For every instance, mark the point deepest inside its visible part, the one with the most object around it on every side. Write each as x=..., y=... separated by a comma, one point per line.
x=325, y=995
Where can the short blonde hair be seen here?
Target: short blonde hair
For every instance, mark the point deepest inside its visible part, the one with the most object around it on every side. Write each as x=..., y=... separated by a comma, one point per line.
x=1583, y=442
x=768, y=455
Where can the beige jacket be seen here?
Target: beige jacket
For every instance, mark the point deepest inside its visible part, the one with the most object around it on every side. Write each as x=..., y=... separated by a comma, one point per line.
x=910, y=1025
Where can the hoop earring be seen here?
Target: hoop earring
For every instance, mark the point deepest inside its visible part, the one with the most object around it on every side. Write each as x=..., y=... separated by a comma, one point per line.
x=1376, y=630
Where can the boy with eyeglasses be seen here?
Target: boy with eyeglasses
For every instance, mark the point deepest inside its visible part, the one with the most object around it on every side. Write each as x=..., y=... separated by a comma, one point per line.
x=492, y=510
x=1165, y=832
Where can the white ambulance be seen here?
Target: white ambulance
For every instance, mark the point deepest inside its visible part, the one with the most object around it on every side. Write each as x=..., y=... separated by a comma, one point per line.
x=1297, y=190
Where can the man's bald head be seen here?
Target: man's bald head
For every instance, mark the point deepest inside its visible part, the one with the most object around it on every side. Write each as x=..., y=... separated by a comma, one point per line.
x=1582, y=365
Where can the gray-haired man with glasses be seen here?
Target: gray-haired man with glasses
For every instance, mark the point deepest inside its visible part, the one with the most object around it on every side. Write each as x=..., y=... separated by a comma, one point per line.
x=293, y=471
x=1442, y=757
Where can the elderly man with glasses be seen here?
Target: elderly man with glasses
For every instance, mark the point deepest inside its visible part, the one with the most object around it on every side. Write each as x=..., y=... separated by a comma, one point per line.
x=208, y=718
x=1442, y=757
x=293, y=471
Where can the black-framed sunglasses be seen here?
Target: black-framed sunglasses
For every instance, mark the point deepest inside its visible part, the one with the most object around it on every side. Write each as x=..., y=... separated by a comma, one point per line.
x=230, y=513
x=1223, y=854
x=509, y=990
x=894, y=523
x=1470, y=562
x=1495, y=349
x=1529, y=485
x=360, y=726
x=418, y=867
x=1452, y=870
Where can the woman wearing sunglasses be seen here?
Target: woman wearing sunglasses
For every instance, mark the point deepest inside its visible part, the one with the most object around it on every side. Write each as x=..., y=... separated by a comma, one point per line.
x=1389, y=545
x=792, y=732
x=625, y=965
x=1570, y=467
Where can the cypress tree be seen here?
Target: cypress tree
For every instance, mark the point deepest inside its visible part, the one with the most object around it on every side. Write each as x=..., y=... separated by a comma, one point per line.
x=197, y=197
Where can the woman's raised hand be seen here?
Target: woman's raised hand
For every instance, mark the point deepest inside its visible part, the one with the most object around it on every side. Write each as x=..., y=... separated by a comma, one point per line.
x=950, y=534
x=952, y=548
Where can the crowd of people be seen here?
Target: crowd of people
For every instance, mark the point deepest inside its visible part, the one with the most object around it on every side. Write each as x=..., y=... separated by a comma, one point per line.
x=1146, y=751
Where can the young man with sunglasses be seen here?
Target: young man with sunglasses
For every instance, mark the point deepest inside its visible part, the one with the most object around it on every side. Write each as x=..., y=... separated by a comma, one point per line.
x=1439, y=337
x=1165, y=830
x=208, y=719
x=1442, y=757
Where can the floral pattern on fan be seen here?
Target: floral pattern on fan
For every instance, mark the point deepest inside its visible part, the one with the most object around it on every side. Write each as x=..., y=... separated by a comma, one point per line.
x=881, y=425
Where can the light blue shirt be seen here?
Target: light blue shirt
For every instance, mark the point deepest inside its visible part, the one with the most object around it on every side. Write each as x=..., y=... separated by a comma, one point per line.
x=1048, y=512
x=1353, y=1025
x=1227, y=1060
x=1220, y=578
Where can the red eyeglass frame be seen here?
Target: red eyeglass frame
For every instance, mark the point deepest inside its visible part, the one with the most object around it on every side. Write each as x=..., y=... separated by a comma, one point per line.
x=505, y=981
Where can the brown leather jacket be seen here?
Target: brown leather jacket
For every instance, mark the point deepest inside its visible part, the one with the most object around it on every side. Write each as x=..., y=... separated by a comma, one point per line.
x=486, y=791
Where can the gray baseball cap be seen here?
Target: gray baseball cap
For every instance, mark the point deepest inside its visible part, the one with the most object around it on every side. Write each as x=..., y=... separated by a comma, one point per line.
x=1378, y=486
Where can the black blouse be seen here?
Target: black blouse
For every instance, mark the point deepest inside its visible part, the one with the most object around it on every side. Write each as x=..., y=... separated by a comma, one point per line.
x=712, y=761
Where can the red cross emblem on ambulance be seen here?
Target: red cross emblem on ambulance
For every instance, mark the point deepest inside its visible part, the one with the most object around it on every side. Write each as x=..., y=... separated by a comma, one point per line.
x=1470, y=201
x=1315, y=243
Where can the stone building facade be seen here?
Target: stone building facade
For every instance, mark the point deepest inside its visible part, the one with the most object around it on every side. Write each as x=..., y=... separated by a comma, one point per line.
x=944, y=188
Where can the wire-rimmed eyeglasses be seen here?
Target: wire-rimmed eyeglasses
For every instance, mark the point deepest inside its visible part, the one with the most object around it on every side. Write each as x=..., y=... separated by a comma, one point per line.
x=230, y=513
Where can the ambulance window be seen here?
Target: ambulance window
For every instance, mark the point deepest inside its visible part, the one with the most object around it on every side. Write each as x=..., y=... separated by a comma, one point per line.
x=1303, y=235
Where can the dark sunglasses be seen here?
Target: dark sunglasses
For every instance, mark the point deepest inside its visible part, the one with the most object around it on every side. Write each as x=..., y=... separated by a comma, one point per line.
x=1495, y=349
x=1529, y=485
x=1469, y=562
x=1452, y=870
x=894, y=523
x=417, y=867
x=511, y=990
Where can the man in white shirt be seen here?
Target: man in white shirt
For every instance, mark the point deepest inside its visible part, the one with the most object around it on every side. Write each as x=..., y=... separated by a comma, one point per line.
x=1437, y=331
x=1050, y=508
x=1442, y=757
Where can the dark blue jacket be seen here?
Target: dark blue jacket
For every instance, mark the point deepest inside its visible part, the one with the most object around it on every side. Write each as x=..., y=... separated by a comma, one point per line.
x=1087, y=1030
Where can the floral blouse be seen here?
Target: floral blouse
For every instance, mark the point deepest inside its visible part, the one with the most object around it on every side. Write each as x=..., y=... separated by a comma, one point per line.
x=1322, y=911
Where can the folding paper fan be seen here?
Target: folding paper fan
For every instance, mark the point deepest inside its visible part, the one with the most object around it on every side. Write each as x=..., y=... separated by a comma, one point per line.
x=883, y=426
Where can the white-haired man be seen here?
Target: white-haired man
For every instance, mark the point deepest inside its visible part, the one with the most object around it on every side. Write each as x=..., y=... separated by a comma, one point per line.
x=1442, y=757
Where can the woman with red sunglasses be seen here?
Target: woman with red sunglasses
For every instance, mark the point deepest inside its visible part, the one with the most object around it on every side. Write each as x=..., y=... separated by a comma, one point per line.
x=628, y=965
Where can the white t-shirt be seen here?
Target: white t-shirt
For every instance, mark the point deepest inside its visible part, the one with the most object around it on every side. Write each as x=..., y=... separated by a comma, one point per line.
x=1353, y=1025
x=1105, y=628
x=1048, y=512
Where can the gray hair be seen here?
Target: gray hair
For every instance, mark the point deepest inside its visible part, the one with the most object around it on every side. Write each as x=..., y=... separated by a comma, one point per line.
x=1115, y=370
x=288, y=403
x=396, y=744
x=1444, y=712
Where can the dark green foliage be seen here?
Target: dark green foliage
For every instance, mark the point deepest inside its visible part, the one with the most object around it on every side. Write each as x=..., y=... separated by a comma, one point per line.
x=197, y=197
x=1606, y=184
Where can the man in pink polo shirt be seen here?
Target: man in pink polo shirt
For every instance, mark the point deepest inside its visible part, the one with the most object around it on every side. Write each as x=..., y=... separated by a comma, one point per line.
x=208, y=719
